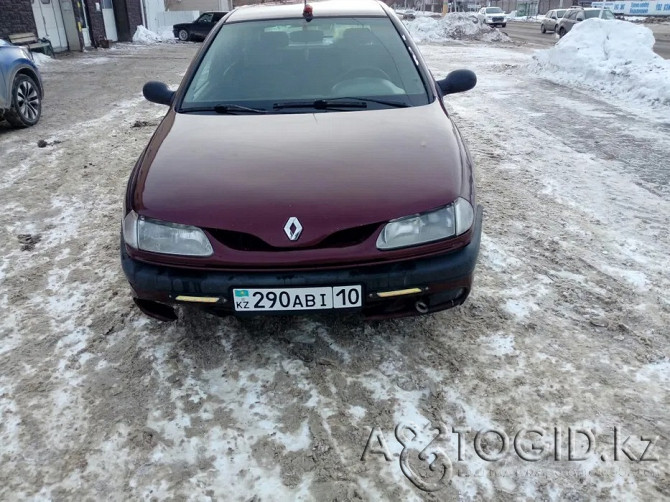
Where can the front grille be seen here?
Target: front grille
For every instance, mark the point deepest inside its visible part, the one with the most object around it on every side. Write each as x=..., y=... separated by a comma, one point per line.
x=242, y=241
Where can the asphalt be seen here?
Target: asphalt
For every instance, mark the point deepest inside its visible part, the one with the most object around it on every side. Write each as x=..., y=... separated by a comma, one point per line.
x=529, y=32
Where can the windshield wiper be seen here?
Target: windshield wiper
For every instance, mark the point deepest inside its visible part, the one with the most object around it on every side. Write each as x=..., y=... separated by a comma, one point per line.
x=342, y=102
x=395, y=104
x=320, y=104
x=224, y=109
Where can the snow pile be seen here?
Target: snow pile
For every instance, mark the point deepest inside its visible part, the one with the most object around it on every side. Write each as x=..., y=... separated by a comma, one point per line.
x=525, y=19
x=454, y=26
x=615, y=57
x=42, y=59
x=148, y=37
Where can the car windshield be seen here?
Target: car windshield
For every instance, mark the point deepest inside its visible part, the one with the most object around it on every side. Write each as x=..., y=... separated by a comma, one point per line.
x=560, y=13
x=493, y=10
x=270, y=64
x=596, y=13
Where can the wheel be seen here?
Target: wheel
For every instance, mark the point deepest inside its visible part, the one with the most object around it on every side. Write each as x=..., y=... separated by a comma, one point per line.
x=26, y=106
x=555, y=28
x=184, y=35
x=503, y=25
x=543, y=29
x=561, y=32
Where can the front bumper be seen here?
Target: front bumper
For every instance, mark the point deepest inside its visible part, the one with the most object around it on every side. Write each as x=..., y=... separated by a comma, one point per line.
x=444, y=281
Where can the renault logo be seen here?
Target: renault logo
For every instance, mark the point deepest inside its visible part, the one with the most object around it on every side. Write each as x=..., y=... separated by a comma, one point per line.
x=293, y=228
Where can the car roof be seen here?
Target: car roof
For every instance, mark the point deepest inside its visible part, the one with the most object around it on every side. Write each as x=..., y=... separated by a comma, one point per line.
x=328, y=8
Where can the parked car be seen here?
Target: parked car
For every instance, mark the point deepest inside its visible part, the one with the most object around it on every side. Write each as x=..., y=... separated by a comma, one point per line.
x=198, y=29
x=409, y=14
x=21, y=88
x=576, y=15
x=314, y=173
x=551, y=19
x=493, y=16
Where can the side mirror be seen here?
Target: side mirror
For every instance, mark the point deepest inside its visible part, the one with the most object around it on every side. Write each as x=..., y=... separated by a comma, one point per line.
x=158, y=92
x=457, y=81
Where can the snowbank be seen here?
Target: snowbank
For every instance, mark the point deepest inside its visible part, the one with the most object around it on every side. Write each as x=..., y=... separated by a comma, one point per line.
x=615, y=57
x=525, y=19
x=42, y=59
x=454, y=26
x=147, y=37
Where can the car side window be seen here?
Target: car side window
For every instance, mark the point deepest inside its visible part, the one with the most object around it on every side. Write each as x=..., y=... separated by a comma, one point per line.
x=205, y=18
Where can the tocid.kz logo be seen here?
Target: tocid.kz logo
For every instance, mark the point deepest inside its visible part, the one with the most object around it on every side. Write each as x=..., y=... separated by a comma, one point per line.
x=433, y=471
x=293, y=228
x=426, y=464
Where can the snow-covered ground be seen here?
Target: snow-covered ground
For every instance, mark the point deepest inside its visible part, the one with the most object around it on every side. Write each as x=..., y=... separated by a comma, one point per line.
x=42, y=59
x=567, y=325
x=452, y=27
x=524, y=19
x=148, y=37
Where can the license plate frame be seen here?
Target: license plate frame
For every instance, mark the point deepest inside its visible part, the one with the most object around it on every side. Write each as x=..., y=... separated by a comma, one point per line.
x=297, y=299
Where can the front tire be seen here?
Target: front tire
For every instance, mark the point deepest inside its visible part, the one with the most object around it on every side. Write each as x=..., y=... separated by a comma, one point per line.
x=561, y=32
x=503, y=25
x=543, y=29
x=184, y=35
x=26, y=108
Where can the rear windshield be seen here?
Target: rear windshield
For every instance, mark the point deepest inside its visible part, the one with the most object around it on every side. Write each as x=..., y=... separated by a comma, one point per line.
x=606, y=14
x=261, y=63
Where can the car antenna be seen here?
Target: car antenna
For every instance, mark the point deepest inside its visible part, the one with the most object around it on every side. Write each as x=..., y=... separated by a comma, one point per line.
x=307, y=12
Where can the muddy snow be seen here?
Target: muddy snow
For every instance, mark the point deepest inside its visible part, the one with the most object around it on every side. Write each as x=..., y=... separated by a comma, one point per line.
x=563, y=342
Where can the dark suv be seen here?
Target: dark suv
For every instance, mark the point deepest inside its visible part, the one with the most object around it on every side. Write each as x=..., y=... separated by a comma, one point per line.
x=198, y=29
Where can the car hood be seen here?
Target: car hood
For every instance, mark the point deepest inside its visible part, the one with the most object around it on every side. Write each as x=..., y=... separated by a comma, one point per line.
x=335, y=170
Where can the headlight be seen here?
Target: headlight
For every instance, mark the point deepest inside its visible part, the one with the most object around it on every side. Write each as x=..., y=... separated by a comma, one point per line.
x=449, y=221
x=162, y=237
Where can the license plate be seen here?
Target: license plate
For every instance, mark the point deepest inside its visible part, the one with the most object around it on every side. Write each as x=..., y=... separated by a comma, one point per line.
x=277, y=299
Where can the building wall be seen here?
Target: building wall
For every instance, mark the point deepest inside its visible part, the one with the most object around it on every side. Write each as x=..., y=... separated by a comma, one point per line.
x=96, y=23
x=199, y=5
x=542, y=5
x=134, y=14
x=16, y=16
x=127, y=13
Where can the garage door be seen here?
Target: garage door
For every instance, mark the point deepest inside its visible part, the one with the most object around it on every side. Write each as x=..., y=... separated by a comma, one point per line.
x=110, y=21
x=49, y=22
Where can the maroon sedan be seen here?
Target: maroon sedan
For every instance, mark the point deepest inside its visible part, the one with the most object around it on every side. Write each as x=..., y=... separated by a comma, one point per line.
x=306, y=163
